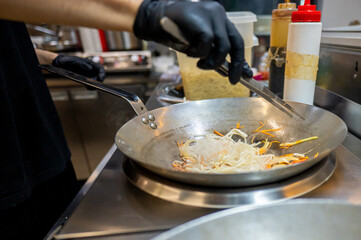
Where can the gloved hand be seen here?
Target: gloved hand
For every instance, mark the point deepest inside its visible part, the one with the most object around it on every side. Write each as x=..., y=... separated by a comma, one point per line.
x=206, y=27
x=81, y=66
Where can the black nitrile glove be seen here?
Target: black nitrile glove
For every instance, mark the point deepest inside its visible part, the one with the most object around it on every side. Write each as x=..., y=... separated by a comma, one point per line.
x=206, y=27
x=81, y=66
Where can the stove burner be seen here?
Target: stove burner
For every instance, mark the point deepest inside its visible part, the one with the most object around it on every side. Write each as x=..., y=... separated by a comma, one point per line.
x=171, y=94
x=229, y=197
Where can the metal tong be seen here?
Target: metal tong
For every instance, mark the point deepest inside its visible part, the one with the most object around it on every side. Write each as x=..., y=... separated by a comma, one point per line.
x=170, y=27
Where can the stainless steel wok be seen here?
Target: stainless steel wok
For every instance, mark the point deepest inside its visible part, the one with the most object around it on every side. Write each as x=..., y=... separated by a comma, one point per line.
x=296, y=219
x=150, y=138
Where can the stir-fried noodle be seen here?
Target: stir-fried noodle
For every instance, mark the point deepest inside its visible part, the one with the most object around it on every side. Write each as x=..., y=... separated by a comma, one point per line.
x=232, y=153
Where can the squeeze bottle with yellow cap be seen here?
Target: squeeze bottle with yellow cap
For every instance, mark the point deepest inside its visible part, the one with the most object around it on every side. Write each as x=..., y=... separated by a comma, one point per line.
x=303, y=47
x=281, y=18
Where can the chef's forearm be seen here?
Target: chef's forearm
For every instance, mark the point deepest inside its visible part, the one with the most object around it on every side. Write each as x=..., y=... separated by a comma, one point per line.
x=45, y=57
x=104, y=14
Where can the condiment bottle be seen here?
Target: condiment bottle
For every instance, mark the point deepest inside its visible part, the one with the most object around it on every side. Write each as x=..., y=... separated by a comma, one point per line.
x=281, y=18
x=303, y=48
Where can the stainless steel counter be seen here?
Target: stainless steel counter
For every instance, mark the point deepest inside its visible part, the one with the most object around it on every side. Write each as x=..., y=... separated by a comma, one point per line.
x=110, y=207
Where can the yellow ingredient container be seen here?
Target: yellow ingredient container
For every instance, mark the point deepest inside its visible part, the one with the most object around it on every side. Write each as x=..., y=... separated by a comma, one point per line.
x=206, y=84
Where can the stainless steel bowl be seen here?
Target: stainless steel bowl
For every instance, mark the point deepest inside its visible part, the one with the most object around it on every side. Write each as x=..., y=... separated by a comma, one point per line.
x=293, y=220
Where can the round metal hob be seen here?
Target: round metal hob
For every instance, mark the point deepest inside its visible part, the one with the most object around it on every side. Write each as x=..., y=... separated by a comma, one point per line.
x=229, y=197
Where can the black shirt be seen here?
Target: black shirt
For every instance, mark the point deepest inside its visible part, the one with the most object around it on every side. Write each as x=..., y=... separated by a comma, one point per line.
x=32, y=144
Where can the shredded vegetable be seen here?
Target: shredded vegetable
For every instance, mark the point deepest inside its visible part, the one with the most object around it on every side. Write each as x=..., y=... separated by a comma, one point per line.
x=290, y=144
x=266, y=131
x=231, y=153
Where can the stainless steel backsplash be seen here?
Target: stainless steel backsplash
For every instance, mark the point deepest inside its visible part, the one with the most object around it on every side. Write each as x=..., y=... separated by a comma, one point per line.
x=339, y=84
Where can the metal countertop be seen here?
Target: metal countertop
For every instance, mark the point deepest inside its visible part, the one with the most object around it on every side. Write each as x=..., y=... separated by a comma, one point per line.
x=109, y=205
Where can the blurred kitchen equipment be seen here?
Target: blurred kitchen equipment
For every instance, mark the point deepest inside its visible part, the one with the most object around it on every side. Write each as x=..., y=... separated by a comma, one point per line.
x=149, y=139
x=339, y=13
x=263, y=25
x=297, y=220
x=201, y=84
x=118, y=41
x=121, y=61
x=131, y=42
x=62, y=39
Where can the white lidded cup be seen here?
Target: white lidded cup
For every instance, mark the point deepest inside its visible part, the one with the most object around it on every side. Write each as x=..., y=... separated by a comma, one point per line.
x=244, y=21
x=303, y=47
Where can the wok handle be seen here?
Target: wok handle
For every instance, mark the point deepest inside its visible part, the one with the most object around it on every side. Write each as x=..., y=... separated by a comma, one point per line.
x=131, y=98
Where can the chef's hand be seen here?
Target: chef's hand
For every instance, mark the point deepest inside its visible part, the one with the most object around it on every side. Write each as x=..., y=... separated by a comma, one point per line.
x=206, y=27
x=81, y=66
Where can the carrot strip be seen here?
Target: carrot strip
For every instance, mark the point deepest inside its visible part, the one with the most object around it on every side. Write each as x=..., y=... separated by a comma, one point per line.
x=285, y=147
x=266, y=130
x=316, y=155
x=267, y=133
x=290, y=144
x=286, y=155
x=298, y=161
x=282, y=163
x=262, y=151
x=177, y=166
x=204, y=165
x=271, y=130
x=218, y=133
x=239, y=126
x=262, y=124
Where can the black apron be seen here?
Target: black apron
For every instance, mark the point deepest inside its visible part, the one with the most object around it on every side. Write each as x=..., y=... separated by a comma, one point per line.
x=32, y=144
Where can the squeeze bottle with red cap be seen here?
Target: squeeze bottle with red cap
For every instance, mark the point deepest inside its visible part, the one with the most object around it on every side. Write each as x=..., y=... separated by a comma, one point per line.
x=303, y=47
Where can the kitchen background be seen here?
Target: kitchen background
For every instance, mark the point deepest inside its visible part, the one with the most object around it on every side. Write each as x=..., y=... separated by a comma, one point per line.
x=90, y=118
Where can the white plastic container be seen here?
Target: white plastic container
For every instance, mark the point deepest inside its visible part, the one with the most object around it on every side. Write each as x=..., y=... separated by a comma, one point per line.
x=205, y=84
x=303, y=46
x=244, y=22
